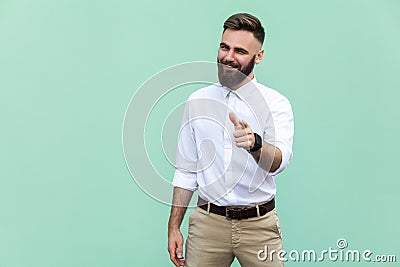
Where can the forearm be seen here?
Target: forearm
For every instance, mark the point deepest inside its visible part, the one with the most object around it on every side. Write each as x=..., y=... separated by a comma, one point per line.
x=180, y=201
x=269, y=157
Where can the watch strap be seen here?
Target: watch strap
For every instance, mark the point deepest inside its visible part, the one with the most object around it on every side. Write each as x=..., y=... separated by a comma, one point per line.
x=257, y=143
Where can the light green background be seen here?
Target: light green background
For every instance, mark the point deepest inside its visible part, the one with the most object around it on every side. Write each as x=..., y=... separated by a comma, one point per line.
x=68, y=70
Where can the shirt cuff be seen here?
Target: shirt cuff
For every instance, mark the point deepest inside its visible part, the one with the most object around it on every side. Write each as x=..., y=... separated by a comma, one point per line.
x=185, y=180
x=286, y=157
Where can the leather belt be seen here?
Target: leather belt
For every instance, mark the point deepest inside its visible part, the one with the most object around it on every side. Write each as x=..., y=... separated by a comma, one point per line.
x=237, y=213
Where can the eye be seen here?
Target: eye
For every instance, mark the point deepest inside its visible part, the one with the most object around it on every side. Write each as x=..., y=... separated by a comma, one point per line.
x=241, y=52
x=224, y=47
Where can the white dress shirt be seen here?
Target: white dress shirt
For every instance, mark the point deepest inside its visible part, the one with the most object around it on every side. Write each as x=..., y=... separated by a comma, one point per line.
x=207, y=156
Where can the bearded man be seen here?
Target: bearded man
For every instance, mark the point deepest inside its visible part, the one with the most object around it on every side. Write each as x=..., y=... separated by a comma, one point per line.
x=236, y=137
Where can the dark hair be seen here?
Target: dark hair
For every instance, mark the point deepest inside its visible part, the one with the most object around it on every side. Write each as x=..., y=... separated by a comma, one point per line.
x=246, y=22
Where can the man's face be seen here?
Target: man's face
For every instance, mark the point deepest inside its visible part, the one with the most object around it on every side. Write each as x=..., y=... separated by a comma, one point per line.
x=239, y=51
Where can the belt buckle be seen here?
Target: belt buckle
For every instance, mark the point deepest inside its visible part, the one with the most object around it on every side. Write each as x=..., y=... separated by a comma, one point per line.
x=233, y=213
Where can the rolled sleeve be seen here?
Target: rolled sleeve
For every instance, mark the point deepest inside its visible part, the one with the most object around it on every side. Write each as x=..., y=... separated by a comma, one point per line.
x=185, y=180
x=282, y=116
x=186, y=156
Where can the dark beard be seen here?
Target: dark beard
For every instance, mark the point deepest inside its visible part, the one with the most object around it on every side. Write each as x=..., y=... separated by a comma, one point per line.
x=232, y=77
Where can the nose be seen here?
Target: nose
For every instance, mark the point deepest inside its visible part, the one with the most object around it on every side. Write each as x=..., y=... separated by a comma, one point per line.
x=230, y=56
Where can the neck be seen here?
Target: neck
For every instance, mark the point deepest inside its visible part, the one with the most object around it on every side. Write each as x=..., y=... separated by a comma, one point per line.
x=245, y=80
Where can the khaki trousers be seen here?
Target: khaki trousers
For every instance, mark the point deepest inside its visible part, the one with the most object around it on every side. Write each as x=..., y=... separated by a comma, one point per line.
x=215, y=241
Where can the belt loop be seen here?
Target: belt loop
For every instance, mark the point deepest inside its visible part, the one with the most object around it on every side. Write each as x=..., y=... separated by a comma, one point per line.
x=208, y=207
x=258, y=210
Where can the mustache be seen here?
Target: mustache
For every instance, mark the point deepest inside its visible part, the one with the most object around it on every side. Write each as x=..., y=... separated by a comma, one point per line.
x=229, y=64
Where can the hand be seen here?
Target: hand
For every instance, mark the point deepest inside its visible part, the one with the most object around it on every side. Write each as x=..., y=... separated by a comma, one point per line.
x=243, y=134
x=175, y=247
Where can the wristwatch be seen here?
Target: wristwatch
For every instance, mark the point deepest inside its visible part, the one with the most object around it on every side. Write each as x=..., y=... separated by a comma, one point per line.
x=257, y=143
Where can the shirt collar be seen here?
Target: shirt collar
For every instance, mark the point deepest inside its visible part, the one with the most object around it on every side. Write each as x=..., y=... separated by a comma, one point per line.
x=242, y=91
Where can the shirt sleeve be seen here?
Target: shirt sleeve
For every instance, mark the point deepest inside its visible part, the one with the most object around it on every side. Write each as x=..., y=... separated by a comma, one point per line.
x=282, y=116
x=185, y=175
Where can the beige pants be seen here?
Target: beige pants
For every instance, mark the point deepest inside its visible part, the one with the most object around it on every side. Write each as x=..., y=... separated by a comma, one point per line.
x=215, y=241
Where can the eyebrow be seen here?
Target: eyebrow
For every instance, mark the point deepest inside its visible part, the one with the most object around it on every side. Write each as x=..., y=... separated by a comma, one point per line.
x=237, y=49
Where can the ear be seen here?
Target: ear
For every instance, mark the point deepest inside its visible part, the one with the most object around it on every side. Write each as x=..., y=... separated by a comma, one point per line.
x=259, y=56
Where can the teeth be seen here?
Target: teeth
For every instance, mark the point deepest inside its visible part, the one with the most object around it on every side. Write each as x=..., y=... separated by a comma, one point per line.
x=229, y=66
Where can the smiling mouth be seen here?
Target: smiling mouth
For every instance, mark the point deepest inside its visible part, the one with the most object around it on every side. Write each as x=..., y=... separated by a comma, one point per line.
x=230, y=66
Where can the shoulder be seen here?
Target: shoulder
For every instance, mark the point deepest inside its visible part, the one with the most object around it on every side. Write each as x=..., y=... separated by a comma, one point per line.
x=272, y=96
